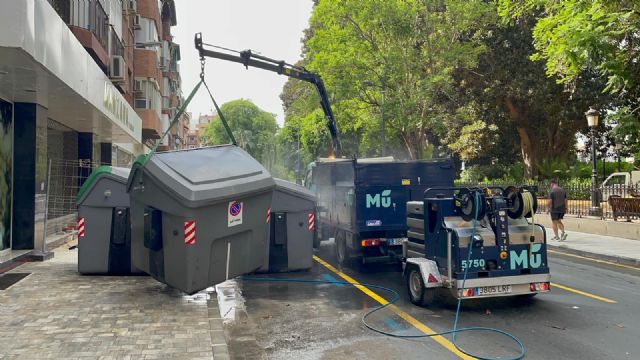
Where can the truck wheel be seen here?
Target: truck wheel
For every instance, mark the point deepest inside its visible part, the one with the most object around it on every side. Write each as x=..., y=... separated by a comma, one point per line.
x=342, y=250
x=418, y=293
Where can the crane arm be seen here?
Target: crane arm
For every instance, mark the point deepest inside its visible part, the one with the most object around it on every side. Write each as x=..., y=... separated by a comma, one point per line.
x=248, y=58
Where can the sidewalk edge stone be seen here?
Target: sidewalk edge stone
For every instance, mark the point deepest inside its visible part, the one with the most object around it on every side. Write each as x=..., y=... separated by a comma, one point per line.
x=613, y=258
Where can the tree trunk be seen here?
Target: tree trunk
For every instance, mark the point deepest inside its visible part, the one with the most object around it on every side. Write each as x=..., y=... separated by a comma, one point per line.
x=529, y=154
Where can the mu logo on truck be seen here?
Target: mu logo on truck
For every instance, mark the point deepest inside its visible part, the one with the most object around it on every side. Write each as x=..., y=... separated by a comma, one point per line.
x=379, y=200
x=522, y=260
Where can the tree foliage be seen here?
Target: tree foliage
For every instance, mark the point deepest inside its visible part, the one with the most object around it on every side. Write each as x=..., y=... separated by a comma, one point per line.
x=403, y=51
x=450, y=77
x=253, y=128
x=574, y=37
x=512, y=93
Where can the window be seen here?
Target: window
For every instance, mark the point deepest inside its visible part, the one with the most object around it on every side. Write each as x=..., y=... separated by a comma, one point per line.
x=147, y=95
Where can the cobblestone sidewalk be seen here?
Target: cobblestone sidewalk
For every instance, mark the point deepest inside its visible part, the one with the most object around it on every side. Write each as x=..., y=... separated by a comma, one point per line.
x=55, y=313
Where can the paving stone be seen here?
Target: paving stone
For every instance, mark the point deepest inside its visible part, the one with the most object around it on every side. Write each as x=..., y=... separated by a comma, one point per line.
x=57, y=313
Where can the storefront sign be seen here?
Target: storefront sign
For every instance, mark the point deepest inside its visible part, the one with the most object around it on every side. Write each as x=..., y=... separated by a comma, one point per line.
x=114, y=103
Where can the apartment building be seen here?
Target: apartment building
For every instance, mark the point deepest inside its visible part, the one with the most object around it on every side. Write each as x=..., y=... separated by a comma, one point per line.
x=193, y=136
x=201, y=127
x=81, y=81
x=157, y=84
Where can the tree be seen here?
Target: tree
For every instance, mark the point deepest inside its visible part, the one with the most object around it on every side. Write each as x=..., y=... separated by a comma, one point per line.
x=410, y=50
x=253, y=128
x=602, y=37
x=511, y=92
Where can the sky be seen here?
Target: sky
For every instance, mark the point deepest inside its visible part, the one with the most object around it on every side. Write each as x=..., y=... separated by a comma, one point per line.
x=274, y=28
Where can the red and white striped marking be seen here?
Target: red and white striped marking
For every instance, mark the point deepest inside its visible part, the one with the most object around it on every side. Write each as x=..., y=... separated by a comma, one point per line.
x=80, y=227
x=268, y=214
x=311, y=221
x=189, y=232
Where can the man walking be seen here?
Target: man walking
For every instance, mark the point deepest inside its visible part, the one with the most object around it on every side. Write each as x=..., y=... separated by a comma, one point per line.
x=558, y=207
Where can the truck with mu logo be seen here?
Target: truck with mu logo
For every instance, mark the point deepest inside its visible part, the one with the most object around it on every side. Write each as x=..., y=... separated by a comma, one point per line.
x=362, y=203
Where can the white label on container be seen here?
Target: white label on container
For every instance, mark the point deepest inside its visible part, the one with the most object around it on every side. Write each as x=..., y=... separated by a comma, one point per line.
x=234, y=214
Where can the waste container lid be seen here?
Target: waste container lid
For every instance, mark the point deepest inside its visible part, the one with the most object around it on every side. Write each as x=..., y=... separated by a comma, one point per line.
x=206, y=175
x=294, y=189
x=118, y=174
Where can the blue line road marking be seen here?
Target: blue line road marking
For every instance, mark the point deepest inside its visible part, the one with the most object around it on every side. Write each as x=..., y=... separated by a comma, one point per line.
x=330, y=278
x=392, y=323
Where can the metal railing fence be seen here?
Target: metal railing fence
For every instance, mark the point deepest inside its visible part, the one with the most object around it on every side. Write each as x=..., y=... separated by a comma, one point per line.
x=65, y=179
x=579, y=197
x=86, y=14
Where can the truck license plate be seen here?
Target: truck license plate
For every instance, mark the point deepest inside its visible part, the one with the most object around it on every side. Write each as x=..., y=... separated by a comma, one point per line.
x=393, y=242
x=493, y=290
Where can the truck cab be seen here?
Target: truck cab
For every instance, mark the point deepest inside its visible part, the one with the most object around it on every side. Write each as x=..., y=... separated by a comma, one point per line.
x=621, y=184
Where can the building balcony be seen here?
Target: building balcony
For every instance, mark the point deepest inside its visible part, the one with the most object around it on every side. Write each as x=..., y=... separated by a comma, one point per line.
x=151, y=125
x=89, y=22
x=146, y=65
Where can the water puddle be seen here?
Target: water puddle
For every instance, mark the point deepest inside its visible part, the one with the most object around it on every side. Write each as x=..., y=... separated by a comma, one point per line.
x=230, y=301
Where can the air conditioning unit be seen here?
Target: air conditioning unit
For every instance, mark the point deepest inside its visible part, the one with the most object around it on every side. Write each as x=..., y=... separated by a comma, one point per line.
x=117, y=69
x=136, y=22
x=141, y=103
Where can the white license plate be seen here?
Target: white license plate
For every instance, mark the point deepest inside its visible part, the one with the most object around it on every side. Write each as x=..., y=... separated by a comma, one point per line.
x=392, y=242
x=493, y=290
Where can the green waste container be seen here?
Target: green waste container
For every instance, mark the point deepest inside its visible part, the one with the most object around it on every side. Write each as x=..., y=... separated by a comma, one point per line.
x=104, y=231
x=198, y=216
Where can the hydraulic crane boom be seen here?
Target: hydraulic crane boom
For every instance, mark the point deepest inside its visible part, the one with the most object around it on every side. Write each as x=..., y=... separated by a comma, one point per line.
x=247, y=58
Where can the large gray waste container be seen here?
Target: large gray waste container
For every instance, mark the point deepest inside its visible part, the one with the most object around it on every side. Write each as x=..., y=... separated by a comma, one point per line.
x=104, y=233
x=198, y=216
x=291, y=229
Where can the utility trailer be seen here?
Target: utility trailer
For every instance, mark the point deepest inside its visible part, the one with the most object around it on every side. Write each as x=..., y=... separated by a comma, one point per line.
x=509, y=253
x=362, y=202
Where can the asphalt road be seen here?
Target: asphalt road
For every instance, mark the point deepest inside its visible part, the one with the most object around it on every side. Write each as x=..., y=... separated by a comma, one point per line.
x=591, y=313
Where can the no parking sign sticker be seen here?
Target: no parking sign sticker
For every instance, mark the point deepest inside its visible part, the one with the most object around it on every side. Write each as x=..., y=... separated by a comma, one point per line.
x=234, y=214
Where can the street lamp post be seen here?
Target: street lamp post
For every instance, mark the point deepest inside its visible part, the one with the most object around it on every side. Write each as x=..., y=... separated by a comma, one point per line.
x=618, y=150
x=592, y=120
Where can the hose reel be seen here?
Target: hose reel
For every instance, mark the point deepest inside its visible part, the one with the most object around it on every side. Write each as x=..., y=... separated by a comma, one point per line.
x=519, y=206
x=469, y=205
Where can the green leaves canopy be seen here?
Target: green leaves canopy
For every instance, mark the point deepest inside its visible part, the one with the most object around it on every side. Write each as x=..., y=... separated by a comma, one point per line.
x=253, y=128
x=599, y=36
x=404, y=51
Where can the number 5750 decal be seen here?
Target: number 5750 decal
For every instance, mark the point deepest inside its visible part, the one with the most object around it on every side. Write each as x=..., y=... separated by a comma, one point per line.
x=476, y=263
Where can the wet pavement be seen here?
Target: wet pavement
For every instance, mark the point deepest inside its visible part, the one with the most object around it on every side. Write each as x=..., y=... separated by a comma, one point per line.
x=275, y=320
x=55, y=313
x=591, y=313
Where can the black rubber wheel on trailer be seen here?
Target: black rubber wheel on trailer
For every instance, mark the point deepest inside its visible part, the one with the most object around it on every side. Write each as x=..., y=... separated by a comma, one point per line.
x=418, y=293
x=342, y=250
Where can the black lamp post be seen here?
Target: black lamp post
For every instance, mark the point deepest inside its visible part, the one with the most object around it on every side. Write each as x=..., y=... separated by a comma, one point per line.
x=592, y=119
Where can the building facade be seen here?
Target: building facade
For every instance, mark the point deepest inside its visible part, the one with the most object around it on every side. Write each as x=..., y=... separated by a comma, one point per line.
x=82, y=82
x=201, y=127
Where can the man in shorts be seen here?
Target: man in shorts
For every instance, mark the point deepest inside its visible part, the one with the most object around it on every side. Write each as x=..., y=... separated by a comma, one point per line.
x=558, y=207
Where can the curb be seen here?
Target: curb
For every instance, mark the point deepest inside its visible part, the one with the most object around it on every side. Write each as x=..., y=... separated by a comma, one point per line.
x=219, y=346
x=613, y=258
